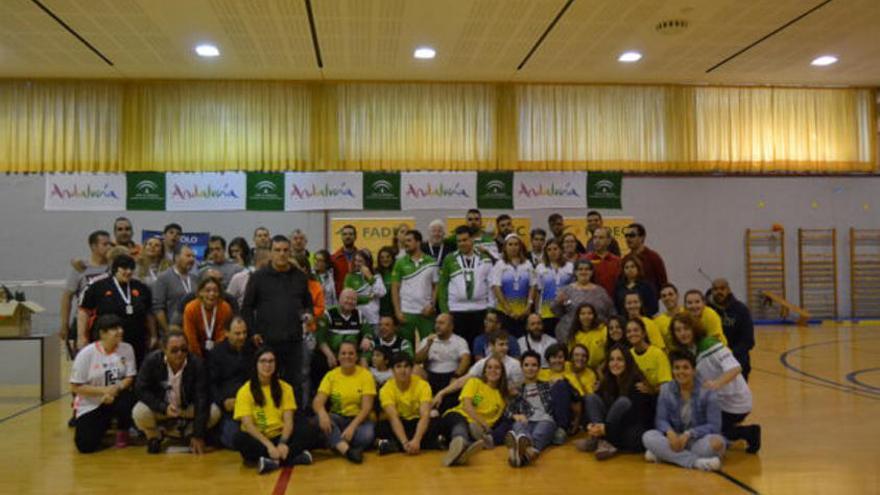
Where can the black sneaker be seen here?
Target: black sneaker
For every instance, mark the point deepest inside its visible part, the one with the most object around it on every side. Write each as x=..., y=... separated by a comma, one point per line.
x=753, y=437
x=71, y=423
x=267, y=465
x=154, y=446
x=387, y=447
x=304, y=458
x=355, y=455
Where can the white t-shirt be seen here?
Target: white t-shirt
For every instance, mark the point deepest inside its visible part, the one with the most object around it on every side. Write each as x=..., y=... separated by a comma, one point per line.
x=540, y=347
x=735, y=397
x=512, y=369
x=444, y=355
x=93, y=366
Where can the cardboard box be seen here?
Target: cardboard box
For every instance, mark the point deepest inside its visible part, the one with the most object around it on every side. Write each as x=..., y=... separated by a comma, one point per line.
x=15, y=318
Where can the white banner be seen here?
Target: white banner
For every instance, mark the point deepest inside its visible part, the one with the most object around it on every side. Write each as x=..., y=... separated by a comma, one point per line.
x=435, y=190
x=85, y=192
x=323, y=191
x=205, y=191
x=532, y=190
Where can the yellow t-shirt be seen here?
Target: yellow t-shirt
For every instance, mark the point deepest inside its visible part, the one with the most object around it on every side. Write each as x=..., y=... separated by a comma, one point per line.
x=594, y=341
x=654, y=334
x=654, y=365
x=586, y=378
x=487, y=401
x=712, y=324
x=268, y=418
x=407, y=402
x=347, y=391
x=548, y=375
x=662, y=321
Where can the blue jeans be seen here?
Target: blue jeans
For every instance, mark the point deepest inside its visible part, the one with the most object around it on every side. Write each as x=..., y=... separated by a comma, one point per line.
x=658, y=444
x=540, y=432
x=363, y=434
x=227, y=429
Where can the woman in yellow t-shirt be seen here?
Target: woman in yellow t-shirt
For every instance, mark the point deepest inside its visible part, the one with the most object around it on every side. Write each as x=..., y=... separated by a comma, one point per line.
x=652, y=362
x=265, y=405
x=585, y=376
x=695, y=302
x=587, y=329
x=350, y=390
x=634, y=305
x=481, y=404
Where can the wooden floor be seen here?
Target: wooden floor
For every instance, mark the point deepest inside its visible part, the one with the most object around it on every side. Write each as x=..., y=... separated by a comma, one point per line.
x=817, y=396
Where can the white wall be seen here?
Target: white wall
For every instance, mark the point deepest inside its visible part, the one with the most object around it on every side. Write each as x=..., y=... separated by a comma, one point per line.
x=693, y=223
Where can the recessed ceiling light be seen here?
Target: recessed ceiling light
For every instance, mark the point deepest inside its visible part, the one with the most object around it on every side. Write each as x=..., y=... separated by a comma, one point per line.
x=824, y=60
x=424, y=52
x=207, y=51
x=629, y=57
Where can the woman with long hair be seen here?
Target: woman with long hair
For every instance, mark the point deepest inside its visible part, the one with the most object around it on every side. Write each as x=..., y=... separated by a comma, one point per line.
x=384, y=265
x=553, y=273
x=619, y=413
x=323, y=271
x=265, y=405
x=368, y=285
x=206, y=318
x=239, y=252
x=633, y=307
x=152, y=261
x=719, y=370
x=650, y=359
x=632, y=279
x=569, y=245
x=481, y=405
x=513, y=283
x=588, y=330
x=572, y=296
x=615, y=333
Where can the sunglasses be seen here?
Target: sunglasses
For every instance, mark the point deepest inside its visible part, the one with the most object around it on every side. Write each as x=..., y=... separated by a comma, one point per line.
x=630, y=235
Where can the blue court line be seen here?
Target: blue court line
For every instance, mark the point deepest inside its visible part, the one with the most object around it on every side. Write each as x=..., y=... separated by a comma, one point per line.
x=27, y=410
x=737, y=482
x=783, y=358
x=851, y=377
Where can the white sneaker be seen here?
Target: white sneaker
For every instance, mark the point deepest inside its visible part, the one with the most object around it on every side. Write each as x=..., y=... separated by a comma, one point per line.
x=708, y=464
x=650, y=457
x=511, y=441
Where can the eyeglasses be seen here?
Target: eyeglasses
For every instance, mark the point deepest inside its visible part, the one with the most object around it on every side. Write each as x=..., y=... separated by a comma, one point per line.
x=266, y=361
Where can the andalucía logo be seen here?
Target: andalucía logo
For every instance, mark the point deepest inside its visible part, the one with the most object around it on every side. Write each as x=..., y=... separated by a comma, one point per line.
x=326, y=191
x=147, y=189
x=440, y=191
x=265, y=189
x=382, y=189
x=604, y=187
x=87, y=192
x=556, y=190
x=495, y=189
x=208, y=192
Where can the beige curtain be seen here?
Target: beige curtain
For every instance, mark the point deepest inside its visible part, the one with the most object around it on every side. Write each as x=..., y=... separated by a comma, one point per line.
x=66, y=126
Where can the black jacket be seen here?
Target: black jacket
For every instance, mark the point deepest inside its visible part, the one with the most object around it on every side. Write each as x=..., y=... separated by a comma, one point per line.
x=274, y=303
x=229, y=370
x=736, y=321
x=152, y=383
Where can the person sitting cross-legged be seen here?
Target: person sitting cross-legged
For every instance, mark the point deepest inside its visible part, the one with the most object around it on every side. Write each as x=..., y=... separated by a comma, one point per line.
x=406, y=401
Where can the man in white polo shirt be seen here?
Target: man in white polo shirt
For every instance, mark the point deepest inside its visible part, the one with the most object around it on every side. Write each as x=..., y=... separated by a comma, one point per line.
x=445, y=356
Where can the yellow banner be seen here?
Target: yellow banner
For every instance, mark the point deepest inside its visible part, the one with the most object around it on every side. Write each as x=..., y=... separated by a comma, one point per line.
x=521, y=225
x=578, y=226
x=372, y=233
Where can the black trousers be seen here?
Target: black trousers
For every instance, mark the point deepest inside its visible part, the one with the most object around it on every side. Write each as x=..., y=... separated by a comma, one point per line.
x=429, y=441
x=745, y=362
x=468, y=324
x=730, y=427
x=305, y=436
x=438, y=382
x=289, y=360
x=91, y=427
x=514, y=327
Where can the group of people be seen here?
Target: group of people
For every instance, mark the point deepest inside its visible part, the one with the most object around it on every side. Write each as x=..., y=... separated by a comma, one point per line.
x=468, y=340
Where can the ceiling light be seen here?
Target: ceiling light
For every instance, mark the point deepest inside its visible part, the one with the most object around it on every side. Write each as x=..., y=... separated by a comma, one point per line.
x=207, y=51
x=629, y=57
x=824, y=60
x=424, y=52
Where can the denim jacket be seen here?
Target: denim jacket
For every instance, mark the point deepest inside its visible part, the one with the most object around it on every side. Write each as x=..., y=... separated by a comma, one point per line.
x=705, y=412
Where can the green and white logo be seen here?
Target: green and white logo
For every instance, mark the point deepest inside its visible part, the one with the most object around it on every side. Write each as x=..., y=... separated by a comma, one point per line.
x=604, y=190
x=381, y=191
x=265, y=191
x=495, y=190
x=146, y=191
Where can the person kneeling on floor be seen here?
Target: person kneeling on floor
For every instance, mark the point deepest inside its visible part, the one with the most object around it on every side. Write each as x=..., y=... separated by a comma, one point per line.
x=172, y=391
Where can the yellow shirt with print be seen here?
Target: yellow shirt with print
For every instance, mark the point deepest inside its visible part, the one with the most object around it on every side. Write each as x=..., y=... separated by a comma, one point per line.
x=712, y=325
x=654, y=365
x=549, y=375
x=487, y=401
x=594, y=341
x=346, y=391
x=407, y=402
x=268, y=418
x=662, y=321
x=654, y=334
x=586, y=378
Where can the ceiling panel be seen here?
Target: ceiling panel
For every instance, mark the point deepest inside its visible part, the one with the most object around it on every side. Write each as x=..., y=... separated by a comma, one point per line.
x=476, y=40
